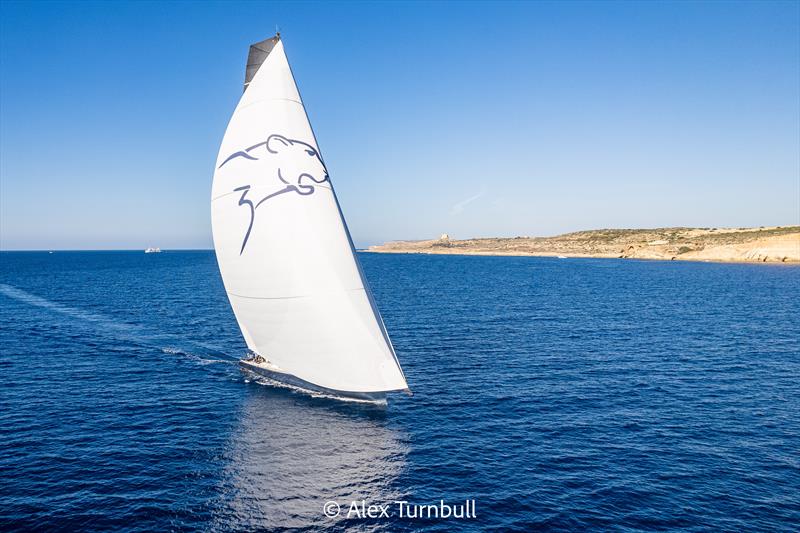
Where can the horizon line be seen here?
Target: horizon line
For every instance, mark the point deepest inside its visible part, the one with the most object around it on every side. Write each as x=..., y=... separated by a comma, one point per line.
x=777, y=226
x=103, y=250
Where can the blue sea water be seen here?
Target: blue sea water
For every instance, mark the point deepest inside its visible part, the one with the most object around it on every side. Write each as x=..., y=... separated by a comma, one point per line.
x=580, y=394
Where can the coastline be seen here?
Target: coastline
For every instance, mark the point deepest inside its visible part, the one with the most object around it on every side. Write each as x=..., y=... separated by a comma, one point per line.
x=777, y=244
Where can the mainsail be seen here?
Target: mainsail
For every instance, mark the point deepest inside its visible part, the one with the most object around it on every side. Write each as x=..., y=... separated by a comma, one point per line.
x=283, y=248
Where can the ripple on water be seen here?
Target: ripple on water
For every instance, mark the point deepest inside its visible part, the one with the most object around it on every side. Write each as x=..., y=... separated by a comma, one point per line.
x=581, y=394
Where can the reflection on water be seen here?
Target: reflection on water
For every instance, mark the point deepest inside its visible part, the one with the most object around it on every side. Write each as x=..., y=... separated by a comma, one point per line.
x=290, y=454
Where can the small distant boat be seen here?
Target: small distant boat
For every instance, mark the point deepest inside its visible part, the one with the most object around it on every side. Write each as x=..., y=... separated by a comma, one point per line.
x=285, y=254
x=152, y=250
x=562, y=256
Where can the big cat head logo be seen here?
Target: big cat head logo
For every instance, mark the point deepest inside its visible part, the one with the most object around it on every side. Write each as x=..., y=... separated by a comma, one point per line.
x=299, y=169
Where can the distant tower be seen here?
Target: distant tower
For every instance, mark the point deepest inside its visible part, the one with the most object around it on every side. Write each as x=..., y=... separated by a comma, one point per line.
x=445, y=237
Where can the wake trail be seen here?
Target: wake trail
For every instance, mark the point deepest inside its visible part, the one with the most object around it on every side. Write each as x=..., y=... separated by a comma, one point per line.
x=168, y=343
x=38, y=301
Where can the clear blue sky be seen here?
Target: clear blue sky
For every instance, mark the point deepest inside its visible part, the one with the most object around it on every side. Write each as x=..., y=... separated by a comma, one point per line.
x=472, y=119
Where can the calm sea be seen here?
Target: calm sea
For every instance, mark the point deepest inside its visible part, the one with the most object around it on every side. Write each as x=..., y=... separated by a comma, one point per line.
x=573, y=394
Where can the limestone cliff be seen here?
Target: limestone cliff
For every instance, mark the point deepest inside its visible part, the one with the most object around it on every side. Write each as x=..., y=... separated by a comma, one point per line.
x=767, y=244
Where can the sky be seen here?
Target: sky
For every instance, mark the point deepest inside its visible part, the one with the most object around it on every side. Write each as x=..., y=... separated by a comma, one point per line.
x=472, y=119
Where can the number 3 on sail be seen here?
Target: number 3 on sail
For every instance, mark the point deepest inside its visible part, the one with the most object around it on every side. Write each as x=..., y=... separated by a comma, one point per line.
x=284, y=251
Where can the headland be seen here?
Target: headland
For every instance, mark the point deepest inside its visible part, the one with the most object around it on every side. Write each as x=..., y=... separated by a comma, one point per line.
x=777, y=244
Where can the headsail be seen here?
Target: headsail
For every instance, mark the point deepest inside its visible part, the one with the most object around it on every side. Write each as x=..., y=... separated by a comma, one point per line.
x=283, y=247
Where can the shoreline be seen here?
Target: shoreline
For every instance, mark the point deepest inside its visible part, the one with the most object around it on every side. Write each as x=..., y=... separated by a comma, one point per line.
x=778, y=244
x=577, y=256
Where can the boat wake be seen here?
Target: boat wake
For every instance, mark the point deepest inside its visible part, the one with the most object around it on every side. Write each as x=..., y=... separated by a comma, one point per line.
x=132, y=333
x=87, y=316
x=168, y=344
x=269, y=382
x=198, y=358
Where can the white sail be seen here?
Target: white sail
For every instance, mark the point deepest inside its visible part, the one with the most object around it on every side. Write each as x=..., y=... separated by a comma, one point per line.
x=284, y=251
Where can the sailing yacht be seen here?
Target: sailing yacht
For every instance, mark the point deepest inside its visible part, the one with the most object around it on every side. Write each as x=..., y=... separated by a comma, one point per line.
x=284, y=251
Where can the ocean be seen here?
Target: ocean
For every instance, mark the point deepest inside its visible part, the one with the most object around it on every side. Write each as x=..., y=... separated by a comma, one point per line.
x=577, y=394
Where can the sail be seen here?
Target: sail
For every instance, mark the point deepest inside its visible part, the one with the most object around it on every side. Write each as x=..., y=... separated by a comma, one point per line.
x=256, y=56
x=284, y=251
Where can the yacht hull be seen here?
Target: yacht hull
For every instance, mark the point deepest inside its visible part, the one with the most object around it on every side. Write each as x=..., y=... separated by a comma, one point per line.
x=270, y=371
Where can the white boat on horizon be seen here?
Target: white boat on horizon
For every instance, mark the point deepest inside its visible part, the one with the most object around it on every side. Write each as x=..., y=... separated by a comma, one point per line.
x=284, y=251
x=152, y=250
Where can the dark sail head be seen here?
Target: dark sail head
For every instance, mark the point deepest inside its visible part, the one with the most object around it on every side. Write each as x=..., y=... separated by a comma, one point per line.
x=258, y=54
